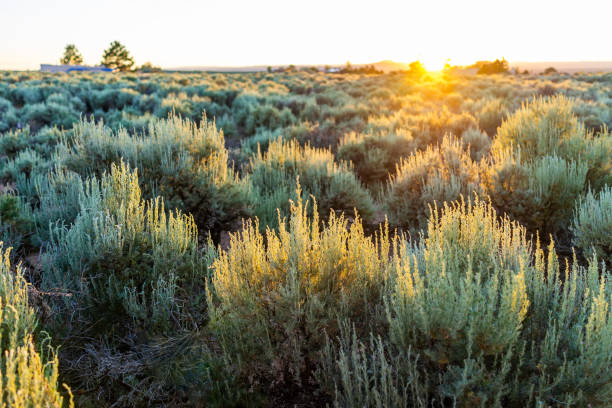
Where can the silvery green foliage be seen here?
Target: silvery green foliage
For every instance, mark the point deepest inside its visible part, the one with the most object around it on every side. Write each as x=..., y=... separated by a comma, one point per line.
x=275, y=174
x=592, y=226
x=28, y=370
x=125, y=255
x=436, y=175
x=184, y=162
x=479, y=317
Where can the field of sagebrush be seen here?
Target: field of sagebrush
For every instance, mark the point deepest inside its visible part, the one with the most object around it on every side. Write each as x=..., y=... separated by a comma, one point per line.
x=305, y=239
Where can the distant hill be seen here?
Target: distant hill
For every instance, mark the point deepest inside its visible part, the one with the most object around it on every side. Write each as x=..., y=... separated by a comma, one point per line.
x=388, y=66
x=564, y=66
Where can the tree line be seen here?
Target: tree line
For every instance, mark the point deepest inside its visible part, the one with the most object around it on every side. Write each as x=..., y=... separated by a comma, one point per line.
x=116, y=57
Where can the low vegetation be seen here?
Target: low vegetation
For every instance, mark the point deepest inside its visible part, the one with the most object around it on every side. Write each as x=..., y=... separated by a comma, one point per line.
x=299, y=238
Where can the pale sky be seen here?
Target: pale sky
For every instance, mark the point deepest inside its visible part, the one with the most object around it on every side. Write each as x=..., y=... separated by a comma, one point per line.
x=232, y=33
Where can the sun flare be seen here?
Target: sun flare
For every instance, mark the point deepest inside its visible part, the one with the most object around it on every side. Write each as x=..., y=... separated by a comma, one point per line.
x=433, y=64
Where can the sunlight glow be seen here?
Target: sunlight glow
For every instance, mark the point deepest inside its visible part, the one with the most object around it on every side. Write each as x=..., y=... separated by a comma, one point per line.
x=191, y=33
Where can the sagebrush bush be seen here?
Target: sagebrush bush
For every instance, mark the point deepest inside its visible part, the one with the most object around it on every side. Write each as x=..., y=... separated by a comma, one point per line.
x=185, y=163
x=548, y=127
x=273, y=176
x=360, y=373
x=543, y=127
x=273, y=297
x=129, y=268
x=471, y=261
x=437, y=175
x=543, y=161
x=491, y=115
x=479, y=143
x=27, y=378
x=374, y=156
x=16, y=220
x=126, y=257
x=479, y=317
x=540, y=194
x=592, y=225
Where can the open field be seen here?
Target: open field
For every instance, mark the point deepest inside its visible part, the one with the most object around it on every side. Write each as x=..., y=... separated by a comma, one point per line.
x=284, y=239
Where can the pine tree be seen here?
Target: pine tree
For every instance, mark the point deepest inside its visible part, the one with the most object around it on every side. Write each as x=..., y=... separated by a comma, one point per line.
x=72, y=56
x=116, y=56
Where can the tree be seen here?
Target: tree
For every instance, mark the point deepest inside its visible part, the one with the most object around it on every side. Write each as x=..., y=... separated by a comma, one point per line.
x=495, y=67
x=147, y=67
x=116, y=56
x=72, y=56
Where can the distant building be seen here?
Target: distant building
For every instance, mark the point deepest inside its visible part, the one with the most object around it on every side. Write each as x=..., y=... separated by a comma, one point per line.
x=72, y=68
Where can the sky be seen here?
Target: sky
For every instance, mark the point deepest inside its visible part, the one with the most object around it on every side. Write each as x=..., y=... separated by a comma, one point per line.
x=183, y=33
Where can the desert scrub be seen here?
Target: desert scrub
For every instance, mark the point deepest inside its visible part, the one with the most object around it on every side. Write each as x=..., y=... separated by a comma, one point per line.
x=375, y=155
x=436, y=175
x=16, y=221
x=273, y=177
x=491, y=115
x=476, y=263
x=134, y=278
x=126, y=258
x=540, y=194
x=477, y=142
x=592, y=226
x=273, y=297
x=548, y=127
x=480, y=316
x=543, y=126
x=358, y=373
x=184, y=162
x=27, y=378
x=543, y=160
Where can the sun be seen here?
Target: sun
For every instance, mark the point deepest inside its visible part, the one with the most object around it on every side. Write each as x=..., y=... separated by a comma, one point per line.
x=433, y=64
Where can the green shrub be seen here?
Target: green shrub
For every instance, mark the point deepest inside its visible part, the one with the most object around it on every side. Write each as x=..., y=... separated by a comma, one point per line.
x=499, y=329
x=479, y=317
x=273, y=178
x=58, y=186
x=477, y=142
x=543, y=160
x=432, y=127
x=9, y=115
x=543, y=127
x=548, y=127
x=438, y=174
x=540, y=194
x=476, y=264
x=126, y=258
x=273, y=297
x=27, y=379
x=366, y=374
x=135, y=280
x=185, y=163
x=16, y=221
x=491, y=115
x=25, y=164
x=592, y=226
x=49, y=114
x=375, y=156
